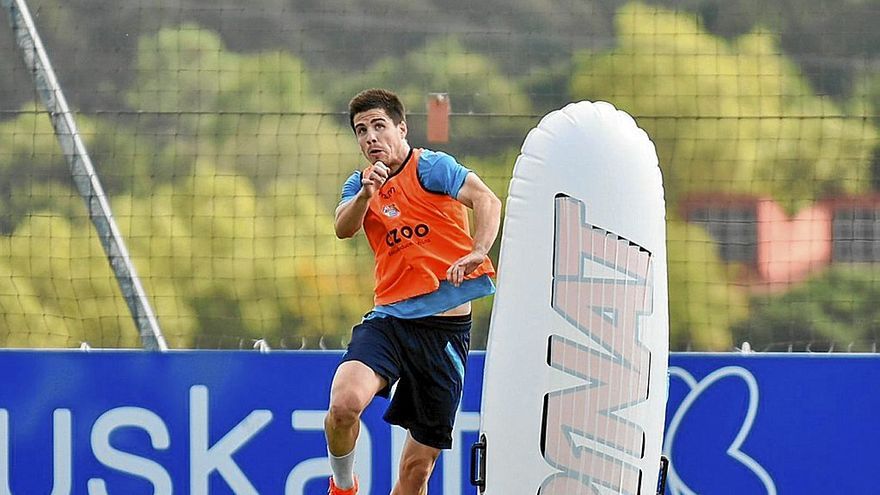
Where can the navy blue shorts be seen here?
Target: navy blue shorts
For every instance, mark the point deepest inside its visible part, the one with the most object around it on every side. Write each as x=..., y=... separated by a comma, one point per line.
x=426, y=358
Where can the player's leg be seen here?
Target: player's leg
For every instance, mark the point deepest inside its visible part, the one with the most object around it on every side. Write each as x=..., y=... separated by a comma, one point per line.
x=367, y=369
x=416, y=464
x=354, y=386
x=428, y=394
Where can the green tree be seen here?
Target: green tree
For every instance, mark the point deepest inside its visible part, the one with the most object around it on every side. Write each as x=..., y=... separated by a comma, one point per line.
x=25, y=321
x=703, y=306
x=58, y=289
x=727, y=117
x=866, y=102
x=830, y=40
x=188, y=69
x=490, y=107
x=246, y=264
x=222, y=264
x=838, y=307
x=246, y=114
x=35, y=175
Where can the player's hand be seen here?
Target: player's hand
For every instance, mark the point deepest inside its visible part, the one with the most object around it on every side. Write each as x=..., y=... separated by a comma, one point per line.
x=374, y=178
x=463, y=266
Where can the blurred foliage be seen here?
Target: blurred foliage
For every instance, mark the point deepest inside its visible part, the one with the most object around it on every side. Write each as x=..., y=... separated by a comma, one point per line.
x=94, y=42
x=34, y=174
x=475, y=84
x=826, y=39
x=224, y=187
x=251, y=114
x=703, y=304
x=188, y=69
x=225, y=160
x=727, y=117
x=242, y=264
x=837, y=308
x=222, y=265
x=58, y=290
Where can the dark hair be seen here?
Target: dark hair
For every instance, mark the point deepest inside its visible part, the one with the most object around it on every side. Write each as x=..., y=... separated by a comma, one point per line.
x=374, y=98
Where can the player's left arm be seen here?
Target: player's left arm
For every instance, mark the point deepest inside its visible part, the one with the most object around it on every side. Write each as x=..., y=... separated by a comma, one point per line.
x=475, y=194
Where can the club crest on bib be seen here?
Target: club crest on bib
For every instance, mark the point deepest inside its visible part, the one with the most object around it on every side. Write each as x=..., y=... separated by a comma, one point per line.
x=390, y=210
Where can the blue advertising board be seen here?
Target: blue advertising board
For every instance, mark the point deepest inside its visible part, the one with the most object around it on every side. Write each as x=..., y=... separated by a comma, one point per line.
x=777, y=423
x=218, y=422
x=110, y=422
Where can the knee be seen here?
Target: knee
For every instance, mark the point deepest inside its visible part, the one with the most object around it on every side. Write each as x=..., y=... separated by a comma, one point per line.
x=345, y=411
x=416, y=471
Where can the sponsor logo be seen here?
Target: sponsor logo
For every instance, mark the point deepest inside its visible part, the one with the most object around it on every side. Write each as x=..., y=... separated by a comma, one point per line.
x=387, y=194
x=398, y=235
x=721, y=447
x=199, y=450
x=602, y=287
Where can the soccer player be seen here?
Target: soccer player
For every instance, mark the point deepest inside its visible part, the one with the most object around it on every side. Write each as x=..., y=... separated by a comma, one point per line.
x=412, y=205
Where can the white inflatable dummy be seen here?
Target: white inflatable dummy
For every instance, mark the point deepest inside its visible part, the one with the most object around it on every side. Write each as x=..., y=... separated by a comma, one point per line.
x=574, y=391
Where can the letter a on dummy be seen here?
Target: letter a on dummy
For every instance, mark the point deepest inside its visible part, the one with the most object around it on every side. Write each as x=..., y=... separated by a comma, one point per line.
x=574, y=391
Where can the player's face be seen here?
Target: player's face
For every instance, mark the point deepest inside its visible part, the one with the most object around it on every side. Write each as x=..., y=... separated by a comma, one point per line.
x=380, y=138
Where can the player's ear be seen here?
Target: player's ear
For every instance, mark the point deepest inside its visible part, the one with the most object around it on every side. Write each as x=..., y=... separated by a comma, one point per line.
x=401, y=127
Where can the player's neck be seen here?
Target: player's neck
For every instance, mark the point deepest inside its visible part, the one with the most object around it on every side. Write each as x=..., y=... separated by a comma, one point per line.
x=400, y=159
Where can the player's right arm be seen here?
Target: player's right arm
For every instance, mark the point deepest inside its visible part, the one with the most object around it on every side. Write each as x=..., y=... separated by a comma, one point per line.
x=350, y=214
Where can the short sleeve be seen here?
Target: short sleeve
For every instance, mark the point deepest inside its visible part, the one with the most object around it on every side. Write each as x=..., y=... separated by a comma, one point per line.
x=441, y=173
x=351, y=186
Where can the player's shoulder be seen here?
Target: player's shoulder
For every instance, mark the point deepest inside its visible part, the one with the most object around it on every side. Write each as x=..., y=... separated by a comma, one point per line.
x=354, y=176
x=432, y=158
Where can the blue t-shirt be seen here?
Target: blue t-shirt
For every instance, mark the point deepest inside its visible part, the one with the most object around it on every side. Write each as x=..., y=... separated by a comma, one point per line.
x=440, y=173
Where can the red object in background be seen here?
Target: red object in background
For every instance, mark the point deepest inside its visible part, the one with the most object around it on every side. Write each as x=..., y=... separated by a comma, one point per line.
x=438, y=118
